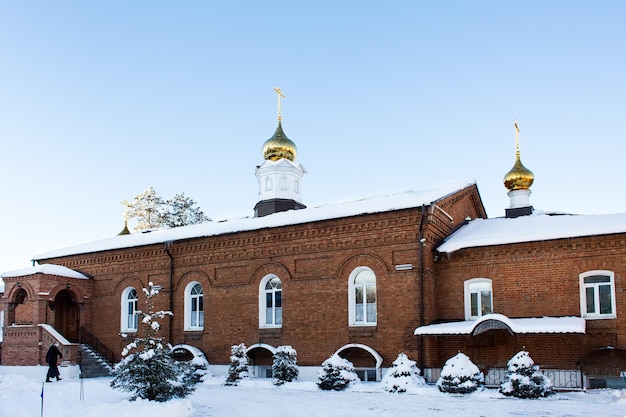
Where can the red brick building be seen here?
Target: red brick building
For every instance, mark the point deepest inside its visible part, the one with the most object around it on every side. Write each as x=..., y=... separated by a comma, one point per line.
x=424, y=273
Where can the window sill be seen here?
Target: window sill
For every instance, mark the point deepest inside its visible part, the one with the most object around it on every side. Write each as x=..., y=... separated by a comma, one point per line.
x=270, y=327
x=358, y=325
x=194, y=329
x=611, y=317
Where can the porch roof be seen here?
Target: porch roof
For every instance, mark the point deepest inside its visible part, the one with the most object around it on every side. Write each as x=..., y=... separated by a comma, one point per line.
x=500, y=321
x=48, y=269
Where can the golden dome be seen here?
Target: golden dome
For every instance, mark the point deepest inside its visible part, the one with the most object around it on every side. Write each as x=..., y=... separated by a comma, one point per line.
x=519, y=177
x=279, y=146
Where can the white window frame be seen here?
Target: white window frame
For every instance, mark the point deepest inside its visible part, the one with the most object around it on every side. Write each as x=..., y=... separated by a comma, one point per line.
x=476, y=285
x=583, y=295
x=263, y=306
x=352, y=305
x=189, y=298
x=125, y=310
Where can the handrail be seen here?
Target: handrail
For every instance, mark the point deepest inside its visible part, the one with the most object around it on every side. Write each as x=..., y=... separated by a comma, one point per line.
x=89, y=339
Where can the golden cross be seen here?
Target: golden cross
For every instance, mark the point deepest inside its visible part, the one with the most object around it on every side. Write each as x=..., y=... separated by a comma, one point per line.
x=280, y=94
x=516, y=136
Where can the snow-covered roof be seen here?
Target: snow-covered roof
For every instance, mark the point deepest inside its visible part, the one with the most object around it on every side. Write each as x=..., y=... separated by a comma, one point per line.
x=379, y=204
x=48, y=269
x=500, y=231
x=525, y=325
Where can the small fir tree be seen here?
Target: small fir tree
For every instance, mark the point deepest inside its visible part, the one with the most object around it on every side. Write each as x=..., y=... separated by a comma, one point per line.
x=336, y=374
x=523, y=379
x=182, y=211
x=284, y=367
x=147, y=369
x=402, y=376
x=147, y=208
x=239, y=365
x=460, y=376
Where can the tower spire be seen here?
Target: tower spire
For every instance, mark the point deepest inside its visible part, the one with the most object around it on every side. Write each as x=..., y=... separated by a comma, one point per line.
x=518, y=181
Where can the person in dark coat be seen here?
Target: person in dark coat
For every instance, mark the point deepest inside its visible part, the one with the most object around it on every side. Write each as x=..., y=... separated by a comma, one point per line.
x=51, y=360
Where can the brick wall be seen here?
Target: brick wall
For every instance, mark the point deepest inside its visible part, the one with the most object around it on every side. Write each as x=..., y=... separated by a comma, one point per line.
x=314, y=262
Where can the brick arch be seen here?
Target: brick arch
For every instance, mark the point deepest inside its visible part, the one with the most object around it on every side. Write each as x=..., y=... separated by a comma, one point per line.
x=128, y=282
x=373, y=262
x=16, y=295
x=190, y=276
x=74, y=289
x=23, y=286
x=275, y=268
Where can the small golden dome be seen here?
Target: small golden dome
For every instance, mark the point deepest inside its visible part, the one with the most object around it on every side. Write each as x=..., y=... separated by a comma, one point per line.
x=279, y=146
x=519, y=177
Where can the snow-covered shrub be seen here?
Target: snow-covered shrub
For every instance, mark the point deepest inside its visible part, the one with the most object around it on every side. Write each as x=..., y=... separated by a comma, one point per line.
x=336, y=374
x=239, y=365
x=284, y=367
x=460, y=376
x=403, y=375
x=523, y=379
x=198, y=364
x=147, y=369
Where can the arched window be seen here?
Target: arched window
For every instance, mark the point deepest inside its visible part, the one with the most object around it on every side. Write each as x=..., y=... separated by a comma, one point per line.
x=478, y=298
x=597, y=295
x=194, y=306
x=283, y=183
x=362, y=297
x=270, y=302
x=129, y=310
x=268, y=184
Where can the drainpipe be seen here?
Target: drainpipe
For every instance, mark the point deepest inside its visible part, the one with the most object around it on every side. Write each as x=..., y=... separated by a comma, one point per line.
x=421, y=240
x=169, y=255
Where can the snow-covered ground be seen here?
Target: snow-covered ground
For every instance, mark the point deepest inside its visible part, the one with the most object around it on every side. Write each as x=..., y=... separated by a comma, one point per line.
x=20, y=396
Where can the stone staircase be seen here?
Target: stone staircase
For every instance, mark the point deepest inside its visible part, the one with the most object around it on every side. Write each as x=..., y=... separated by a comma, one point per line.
x=92, y=365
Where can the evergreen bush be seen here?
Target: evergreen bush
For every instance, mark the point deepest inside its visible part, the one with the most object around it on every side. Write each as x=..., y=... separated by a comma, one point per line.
x=147, y=369
x=336, y=374
x=239, y=365
x=402, y=376
x=523, y=379
x=284, y=367
x=460, y=376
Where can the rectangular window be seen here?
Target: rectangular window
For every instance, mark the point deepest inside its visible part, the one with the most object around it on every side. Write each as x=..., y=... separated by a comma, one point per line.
x=366, y=375
x=358, y=297
x=132, y=317
x=485, y=302
x=598, y=296
x=474, y=304
x=478, y=298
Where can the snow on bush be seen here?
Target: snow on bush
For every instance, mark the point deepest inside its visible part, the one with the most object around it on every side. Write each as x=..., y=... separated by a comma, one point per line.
x=460, y=376
x=284, y=367
x=151, y=373
x=336, y=374
x=523, y=379
x=402, y=376
x=239, y=365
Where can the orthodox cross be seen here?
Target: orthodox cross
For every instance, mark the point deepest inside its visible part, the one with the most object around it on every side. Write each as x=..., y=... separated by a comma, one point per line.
x=516, y=137
x=280, y=94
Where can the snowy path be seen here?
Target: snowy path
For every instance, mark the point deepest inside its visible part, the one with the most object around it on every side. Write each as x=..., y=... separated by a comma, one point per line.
x=20, y=397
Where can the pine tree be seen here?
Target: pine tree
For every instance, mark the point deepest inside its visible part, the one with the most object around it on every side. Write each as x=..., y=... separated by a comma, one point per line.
x=239, y=365
x=151, y=211
x=460, y=376
x=336, y=374
x=181, y=211
x=402, y=376
x=523, y=379
x=284, y=368
x=147, y=208
x=147, y=369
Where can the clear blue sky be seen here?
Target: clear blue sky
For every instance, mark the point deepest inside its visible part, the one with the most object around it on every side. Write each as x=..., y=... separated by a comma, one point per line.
x=100, y=100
